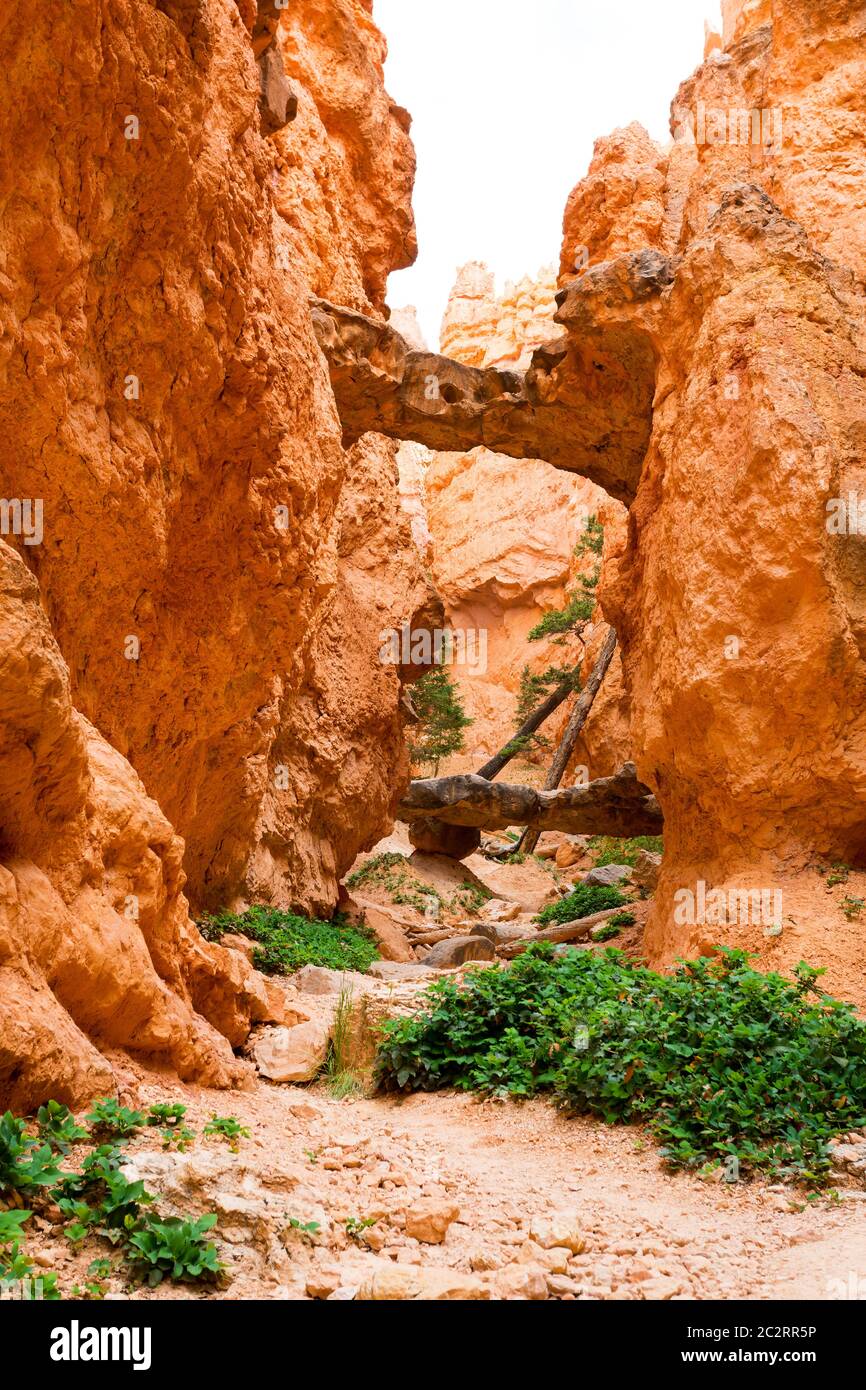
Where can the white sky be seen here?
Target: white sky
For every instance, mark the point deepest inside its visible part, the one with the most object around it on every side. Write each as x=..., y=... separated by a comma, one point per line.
x=507, y=97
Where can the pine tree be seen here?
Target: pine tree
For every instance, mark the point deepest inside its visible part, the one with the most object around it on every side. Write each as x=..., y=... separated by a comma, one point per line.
x=441, y=719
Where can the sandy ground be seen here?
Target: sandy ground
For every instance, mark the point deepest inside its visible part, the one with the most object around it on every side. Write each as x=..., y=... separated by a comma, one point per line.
x=311, y=1157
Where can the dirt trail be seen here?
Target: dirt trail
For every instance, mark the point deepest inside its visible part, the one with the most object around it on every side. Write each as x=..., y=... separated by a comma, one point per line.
x=648, y=1234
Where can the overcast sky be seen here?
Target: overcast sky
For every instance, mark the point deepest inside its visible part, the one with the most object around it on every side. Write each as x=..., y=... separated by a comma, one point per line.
x=507, y=97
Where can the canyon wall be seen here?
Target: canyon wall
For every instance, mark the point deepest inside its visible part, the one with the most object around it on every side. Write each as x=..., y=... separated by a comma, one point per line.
x=740, y=611
x=193, y=701
x=504, y=533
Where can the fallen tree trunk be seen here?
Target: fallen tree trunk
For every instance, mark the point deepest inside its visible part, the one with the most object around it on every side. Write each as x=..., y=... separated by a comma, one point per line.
x=495, y=764
x=563, y=931
x=618, y=805
x=577, y=719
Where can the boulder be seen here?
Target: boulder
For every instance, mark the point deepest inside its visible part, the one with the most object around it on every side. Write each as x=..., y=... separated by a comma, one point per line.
x=500, y=933
x=318, y=979
x=568, y=855
x=608, y=875
x=388, y=929
x=646, y=870
x=499, y=910
x=395, y=1282
x=428, y=1221
x=558, y=1229
x=521, y=1281
x=399, y=970
x=293, y=1054
x=457, y=950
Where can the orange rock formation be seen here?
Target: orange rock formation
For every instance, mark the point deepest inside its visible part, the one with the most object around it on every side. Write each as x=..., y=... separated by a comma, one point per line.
x=190, y=652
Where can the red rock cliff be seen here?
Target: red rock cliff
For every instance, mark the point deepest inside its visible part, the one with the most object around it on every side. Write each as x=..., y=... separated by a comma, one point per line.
x=191, y=649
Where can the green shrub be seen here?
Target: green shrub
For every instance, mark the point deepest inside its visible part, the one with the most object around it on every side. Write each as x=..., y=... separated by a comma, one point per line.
x=165, y=1114
x=718, y=1060
x=107, y=1117
x=286, y=941
x=583, y=901
x=227, y=1127
x=24, y=1162
x=609, y=849
x=17, y=1276
x=57, y=1126
x=175, y=1249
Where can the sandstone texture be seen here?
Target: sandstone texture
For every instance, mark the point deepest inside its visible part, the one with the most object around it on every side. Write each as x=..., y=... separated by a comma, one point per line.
x=194, y=701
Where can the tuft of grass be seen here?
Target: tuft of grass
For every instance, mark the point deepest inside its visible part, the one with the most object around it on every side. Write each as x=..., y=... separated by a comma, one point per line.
x=342, y=1078
x=287, y=941
x=721, y=1062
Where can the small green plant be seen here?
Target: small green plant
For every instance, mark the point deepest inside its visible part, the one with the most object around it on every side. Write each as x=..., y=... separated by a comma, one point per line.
x=57, y=1127
x=172, y=1248
x=441, y=719
x=227, y=1127
x=109, y=1118
x=304, y=1228
x=17, y=1278
x=852, y=907
x=286, y=941
x=164, y=1114
x=177, y=1137
x=24, y=1162
x=96, y=1286
x=118, y=1208
x=357, y=1225
x=583, y=901
x=312, y=1155
x=836, y=874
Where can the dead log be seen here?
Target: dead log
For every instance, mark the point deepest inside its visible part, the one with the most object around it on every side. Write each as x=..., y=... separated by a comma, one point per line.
x=565, y=931
x=619, y=805
x=577, y=719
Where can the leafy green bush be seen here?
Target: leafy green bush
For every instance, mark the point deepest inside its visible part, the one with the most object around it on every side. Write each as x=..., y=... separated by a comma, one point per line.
x=288, y=941
x=173, y=1248
x=24, y=1162
x=583, y=901
x=719, y=1060
x=15, y=1268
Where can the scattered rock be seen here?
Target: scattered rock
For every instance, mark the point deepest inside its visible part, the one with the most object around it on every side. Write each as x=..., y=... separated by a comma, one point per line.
x=521, y=1281
x=559, y=1228
x=457, y=950
x=429, y=1221
x=323, y=1283
x=317, y=979
x=608, y=875
x=498, y=910
x=392, y=1282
